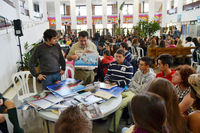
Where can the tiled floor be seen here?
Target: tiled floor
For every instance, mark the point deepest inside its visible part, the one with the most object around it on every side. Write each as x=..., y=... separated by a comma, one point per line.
x=32, y=123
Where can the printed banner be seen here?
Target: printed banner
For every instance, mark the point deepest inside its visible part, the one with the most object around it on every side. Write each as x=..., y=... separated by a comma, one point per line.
x=112, y=19
x=143, y=17
x=66, y=20
x=81, y=20
x=52, y=21
x=97, y=20
x=127, y=19
x=158, y=18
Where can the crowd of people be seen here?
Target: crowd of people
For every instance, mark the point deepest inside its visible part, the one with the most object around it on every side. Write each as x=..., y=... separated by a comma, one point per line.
x=166, y=102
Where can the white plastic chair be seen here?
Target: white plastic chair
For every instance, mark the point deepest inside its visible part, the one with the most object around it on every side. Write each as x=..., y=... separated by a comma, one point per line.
x=139, y=50
x=198, y=66
x=66, y=75
x=192, y=61
x=133, y=52
x=23, y=78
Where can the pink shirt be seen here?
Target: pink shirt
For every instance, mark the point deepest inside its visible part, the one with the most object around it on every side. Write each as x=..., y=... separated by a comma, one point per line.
x=171, y=46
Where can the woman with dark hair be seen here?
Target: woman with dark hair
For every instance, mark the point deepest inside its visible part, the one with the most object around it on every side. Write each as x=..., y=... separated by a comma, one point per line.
x=180, y=78
x=195, y=41
x=194, y=117
x=144, y=47
x=149, y=114
x=162, y=44
x=146, y=40
x=166, y=89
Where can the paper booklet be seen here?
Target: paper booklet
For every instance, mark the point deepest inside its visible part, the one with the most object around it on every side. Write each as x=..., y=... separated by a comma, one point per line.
x=86, y=59
x=42, y=100
x=106, y=86
x=108, y=93
x=87, y=98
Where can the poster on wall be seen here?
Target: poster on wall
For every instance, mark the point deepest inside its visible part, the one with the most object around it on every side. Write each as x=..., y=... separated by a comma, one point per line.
x=112, y=19
x=143, y=17
x=179, y=18
x=66, y=20
x=127, y=19
x=158, y=18
x=97, y=20
x=81, y=20
x=52, y=21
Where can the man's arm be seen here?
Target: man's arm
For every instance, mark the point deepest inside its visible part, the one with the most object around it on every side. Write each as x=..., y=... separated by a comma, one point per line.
x=71, y=55
x=128, y=76
x=32, y=62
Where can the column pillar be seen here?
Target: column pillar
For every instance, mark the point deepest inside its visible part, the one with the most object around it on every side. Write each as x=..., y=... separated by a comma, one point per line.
x=164, y=13
x=180, y=10
x=73, y=15
x=43, y=9
x=135, y=12
x=30, y=6
x=89, y=17
x=58, y=16
x=104, y=16
x=17, y=7
x=151, y=9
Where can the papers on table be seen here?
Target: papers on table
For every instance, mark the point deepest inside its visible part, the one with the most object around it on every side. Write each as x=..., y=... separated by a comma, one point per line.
x=106, y=86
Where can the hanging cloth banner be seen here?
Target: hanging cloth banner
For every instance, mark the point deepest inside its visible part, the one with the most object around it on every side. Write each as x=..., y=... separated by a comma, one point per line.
x=158, y=18
x=52, y=21
x=112, y=19
x=97, y=20
x=66, y=20
x=81, y=20
x=127, y=19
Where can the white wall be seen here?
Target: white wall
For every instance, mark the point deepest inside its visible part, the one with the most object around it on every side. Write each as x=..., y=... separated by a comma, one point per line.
x=186, y=16
x=10, y=54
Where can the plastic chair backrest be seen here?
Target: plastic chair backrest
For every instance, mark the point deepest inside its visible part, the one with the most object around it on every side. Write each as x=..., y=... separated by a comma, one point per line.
x=198, y=56
x=23, y=78
x=133, y=50
x=66, y=74
x=139, y=50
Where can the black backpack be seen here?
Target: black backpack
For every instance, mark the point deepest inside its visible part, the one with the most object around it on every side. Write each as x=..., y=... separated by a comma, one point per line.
x=135, y=65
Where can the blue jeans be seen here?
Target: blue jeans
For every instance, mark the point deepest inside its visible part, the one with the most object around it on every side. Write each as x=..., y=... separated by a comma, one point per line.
x=124, y=129
x=50, y=80
x=96, y=43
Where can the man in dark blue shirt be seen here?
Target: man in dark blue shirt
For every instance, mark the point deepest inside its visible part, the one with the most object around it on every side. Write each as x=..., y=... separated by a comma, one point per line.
x=100, y=49
x=96, y=38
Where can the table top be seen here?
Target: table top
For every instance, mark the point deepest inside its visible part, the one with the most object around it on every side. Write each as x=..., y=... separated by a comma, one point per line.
x=107, y=108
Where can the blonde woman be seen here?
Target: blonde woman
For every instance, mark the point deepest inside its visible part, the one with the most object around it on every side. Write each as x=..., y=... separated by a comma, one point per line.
x=152, y=45
x=179, y=44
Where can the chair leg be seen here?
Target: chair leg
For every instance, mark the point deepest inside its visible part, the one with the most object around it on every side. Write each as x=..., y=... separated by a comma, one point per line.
x=24, y=120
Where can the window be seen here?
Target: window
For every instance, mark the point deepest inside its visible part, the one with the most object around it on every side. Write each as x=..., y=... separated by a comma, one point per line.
x=81, y=28
x=36, y=8
x=109, y=10
x=98, y=10
x=146, y=7
x=128, y=9
x=81, y=11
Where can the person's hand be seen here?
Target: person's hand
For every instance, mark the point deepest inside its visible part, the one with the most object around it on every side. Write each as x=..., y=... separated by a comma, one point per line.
x=1, y=102
x=75, y=57
x=114, y=83
x=62, y=72
x=41, y=77
x=88, y=51
x=107, y=82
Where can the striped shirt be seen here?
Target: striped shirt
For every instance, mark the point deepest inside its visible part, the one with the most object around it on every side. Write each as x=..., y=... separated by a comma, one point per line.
x=121, y=74
x=128, y=56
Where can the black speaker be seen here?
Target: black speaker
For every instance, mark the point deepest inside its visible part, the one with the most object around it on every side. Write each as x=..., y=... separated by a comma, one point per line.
x=18, y=27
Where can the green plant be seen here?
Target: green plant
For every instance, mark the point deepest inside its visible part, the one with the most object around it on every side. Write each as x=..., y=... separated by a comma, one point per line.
x=119, y=21
x=144, y=28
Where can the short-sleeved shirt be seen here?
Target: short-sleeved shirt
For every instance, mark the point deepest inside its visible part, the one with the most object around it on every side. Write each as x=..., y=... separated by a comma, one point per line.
x=77, y=46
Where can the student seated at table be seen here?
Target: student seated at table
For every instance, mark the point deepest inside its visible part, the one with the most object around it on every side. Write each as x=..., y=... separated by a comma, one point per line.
x=149, y=114
x=100, y=49
x=107, y=59
x=72, y=120
x=194, y=117
x=164, y=63
x=180, y=78
x=128, y=55
x=8, y=106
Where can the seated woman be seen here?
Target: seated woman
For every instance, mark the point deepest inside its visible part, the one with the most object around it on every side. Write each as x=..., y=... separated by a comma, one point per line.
x=8, y=106
x=194, y=117
x=166, y=89
x=180, y=78
x=162, y=44
x=144, y=47
x=171, y=45
x=149, y=113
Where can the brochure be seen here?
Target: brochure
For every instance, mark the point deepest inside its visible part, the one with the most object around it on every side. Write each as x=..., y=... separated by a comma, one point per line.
x=108, y=93
x=87, y=98
x=86, y=59
x=106, y=86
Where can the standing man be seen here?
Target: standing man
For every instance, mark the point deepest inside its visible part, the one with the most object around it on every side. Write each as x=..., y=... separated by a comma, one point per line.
x=50, y=59
x=83, y=73
x=167, y=41
x=96, y=38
